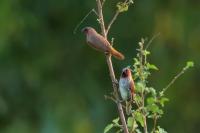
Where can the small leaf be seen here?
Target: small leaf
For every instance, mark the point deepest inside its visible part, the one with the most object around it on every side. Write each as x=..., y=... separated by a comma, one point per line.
x=122, y=7
x=146, y=52
x=150, y=100
x=190, y=64
x=119, y=131
x=153, y=108
x=151, y=66
x=130, y=122
x=163, y=100
x=139, y=87
x=108, y=127
x=139, y=118
x=160, y=130
x=153, y=91
x=116, y=121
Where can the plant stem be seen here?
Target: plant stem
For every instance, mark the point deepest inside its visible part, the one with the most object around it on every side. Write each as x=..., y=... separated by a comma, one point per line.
x=154, y=123
x=111, y=70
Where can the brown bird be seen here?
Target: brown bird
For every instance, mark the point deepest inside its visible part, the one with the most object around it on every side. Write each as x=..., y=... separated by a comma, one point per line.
x=98, y=42
x=126, y=88
x=126, y=84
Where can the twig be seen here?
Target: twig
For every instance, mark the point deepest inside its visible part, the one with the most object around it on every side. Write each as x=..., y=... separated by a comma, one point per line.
x=84, y=18
x=112, y=21
x=150, y=41
x=154, y=123
x=172, y=81
x=110, y=66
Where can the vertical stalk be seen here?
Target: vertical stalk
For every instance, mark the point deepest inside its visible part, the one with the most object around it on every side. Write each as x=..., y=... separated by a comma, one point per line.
x=111, y=70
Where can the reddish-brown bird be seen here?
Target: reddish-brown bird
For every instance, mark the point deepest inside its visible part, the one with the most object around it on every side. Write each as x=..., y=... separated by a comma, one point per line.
x=126, y=84
x=98, y=42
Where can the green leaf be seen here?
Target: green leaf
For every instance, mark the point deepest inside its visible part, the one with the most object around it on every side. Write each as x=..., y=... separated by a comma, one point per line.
x=153, y=91
x=108, y=127
x=151, y=66
x=139, y=87
x=138, y=98
x=163, y=100
x=116, y=120
x=146, y=52
x=160, y=130
x=190, y=64
x=139, y=118
x=153, y=108
x=150, y=100
x=122, y=6
x=119, y=131
x=130, y=122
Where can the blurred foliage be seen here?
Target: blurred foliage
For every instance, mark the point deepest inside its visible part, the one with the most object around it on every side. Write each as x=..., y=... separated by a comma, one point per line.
x=52, y=82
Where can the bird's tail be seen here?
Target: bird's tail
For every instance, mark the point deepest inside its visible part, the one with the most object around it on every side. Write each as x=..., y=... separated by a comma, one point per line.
x=116, y=54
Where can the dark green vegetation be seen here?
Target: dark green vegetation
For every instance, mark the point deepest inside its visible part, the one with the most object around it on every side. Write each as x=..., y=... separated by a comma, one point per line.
x=52, y=82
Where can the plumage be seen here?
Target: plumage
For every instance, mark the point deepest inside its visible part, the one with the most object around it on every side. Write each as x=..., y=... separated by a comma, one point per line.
x=126, y=85
x=98, y=42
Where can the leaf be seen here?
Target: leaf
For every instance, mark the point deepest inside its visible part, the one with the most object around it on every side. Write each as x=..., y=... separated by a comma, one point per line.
x=163, y=100
x=119, y=131
x=139, y=87
x=122, y=6
x=151, y=66
x=153, y=91
x=138, y=117
x=108, y=127
x=190, y=64
x=160, y=130
x=146, y=52
x=153, y=108
x=116, y=120
x=130, y=122
x=150, y=100
x=137, y=98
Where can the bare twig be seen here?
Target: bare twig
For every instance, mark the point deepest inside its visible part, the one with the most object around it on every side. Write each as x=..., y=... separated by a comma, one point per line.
x=112, y=21
x=84, y=18
x=111, y=70
x=173, y=80
x=150, y=41
x=154, y=123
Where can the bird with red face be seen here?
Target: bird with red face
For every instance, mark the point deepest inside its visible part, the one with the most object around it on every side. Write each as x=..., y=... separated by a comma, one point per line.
x=126, y=88
x=98, y=42
x=126, y=84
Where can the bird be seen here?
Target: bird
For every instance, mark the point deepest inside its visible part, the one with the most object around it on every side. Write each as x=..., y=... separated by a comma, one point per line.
x=126, y=88
x=100, y=43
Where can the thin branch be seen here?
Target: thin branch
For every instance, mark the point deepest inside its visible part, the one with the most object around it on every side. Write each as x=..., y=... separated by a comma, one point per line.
x=111, y=70
x=84, y=18
x=101, y=19
x=173, y=80
x=103, y=2
x=112, y=21
x=154, y=123
x=150, y=41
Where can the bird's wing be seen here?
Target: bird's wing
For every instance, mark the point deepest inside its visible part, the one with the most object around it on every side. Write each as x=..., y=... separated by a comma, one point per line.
x=132, y=88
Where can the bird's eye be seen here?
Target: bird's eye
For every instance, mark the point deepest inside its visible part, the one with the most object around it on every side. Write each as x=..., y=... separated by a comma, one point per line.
x=85, y=30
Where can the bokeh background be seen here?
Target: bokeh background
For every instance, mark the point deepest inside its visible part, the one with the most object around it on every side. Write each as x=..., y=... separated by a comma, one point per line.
x=52, y=82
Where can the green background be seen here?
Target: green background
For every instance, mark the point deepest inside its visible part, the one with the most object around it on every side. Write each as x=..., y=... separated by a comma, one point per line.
x=52, y=82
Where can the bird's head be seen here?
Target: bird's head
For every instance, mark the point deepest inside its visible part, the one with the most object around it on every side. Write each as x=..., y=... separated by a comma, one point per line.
x=126, y=72
x=87, y=30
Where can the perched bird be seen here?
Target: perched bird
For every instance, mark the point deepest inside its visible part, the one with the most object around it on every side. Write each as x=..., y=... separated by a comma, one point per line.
x=126, y=84
x=126, y=88
x=98, y=42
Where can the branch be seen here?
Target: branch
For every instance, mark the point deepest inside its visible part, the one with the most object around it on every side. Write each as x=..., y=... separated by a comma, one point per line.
x=112, y=21
x=111, y=70
x=188, y=65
